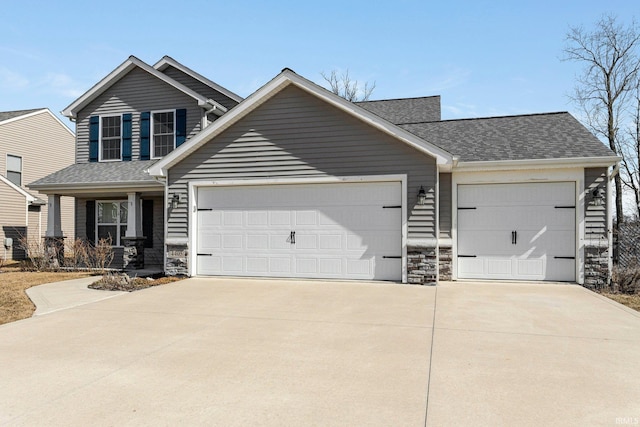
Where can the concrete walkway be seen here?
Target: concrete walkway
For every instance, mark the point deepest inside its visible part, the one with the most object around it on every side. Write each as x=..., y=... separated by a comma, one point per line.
x=56, y=296
x=238, y=352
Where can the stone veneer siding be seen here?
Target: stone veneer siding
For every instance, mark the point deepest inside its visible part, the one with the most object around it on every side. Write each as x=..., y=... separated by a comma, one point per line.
x=177, y=256
x=596, y=266
x=421, y=266
x=445, y=259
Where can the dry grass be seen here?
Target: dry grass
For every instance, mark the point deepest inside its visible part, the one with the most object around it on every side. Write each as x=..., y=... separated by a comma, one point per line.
x=631, y=301
x=14, y=302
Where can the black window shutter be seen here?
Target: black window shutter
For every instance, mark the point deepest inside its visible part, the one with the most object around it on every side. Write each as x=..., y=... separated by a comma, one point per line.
x=94, y=136
x=126, y=137
x=147, y=222
x=145, y=142
x=91, y=221
x=181, y=126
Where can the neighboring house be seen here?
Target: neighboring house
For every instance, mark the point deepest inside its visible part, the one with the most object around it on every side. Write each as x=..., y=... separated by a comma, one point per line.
x=295, y=181
x=33, y=144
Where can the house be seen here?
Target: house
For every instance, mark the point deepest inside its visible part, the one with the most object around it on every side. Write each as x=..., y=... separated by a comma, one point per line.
x=25, y=136
x=134, y=116
x=295, y=181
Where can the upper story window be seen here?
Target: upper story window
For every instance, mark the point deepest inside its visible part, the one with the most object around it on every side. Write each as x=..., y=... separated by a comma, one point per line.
x=164, y=133
x=111, y=138
x=14, y=169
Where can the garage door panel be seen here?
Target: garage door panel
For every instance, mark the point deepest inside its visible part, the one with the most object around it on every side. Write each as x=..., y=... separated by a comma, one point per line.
x=341, y=230
x=542, y=216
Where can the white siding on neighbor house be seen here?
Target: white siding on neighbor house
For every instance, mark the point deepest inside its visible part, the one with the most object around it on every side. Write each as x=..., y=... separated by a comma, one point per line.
x=295, y=134
x=136, y=92
x=45, y=146
x=13, y=219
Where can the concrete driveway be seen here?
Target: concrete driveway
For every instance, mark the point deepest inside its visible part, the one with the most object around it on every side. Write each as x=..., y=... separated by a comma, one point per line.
x=235, y=352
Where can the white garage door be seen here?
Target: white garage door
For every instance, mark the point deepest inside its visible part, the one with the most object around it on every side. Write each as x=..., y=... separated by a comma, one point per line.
x=517, y=231
x=345, y=231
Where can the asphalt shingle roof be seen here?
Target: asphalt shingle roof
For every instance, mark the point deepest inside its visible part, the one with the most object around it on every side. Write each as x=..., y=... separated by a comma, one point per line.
x=534, y=136
x=6, y=115
x=405, y=110
x=99, y=173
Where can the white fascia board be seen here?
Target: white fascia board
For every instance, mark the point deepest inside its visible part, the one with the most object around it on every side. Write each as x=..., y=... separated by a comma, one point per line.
x=169, y=61
x=537, y=163
x=282, y=80
x=120, y=72
x=26, y=194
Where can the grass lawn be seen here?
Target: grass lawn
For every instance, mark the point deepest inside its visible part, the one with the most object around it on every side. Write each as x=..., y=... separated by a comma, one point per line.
x=14, y=302
x=631, y=301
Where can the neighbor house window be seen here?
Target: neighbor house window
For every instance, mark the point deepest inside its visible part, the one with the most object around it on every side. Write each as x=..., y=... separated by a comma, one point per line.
x=111, y=138
x=111, y=221
x=14, y=169
x=164, y=133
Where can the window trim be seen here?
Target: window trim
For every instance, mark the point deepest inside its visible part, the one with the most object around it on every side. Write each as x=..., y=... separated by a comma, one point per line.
x=6, y=164
x=117, y=243
x=100, y=146
x=152, y=140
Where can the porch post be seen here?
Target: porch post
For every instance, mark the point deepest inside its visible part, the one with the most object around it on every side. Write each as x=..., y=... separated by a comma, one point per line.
x=54, y=240
x=133, y=241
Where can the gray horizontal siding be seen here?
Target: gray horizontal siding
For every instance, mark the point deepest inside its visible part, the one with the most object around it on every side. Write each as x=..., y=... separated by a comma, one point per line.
x=199, y=87
x=444, y=205
x=595, y=220
x=136, y=92
x=297, y=135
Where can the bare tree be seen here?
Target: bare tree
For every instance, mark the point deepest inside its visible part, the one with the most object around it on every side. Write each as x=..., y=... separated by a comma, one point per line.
x=629, y=150
x=344, y=86
x=609, y=54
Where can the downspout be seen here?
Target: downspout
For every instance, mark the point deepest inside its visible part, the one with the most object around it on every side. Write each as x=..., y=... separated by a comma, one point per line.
x=611, y=173
x=212, y=108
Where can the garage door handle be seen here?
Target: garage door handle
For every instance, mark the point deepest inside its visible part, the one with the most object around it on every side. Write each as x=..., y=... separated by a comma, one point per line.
x=292, y=237
x=514, y=237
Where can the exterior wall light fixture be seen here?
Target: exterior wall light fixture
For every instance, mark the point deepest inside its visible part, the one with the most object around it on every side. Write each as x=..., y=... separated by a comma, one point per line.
x=598, y=196
x=422, y=196
x=174, y=201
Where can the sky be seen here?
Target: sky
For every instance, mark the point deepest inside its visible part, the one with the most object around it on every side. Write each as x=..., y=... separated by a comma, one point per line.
x=485, y=58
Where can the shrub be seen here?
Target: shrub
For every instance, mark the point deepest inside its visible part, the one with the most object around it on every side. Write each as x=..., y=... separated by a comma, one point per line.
x=626, y=280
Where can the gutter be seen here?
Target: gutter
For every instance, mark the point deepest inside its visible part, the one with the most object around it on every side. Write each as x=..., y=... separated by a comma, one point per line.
x=538, y=163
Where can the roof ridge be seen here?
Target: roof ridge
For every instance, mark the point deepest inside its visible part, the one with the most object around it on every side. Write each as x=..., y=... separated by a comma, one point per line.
x=398, y=99
x=489, y=117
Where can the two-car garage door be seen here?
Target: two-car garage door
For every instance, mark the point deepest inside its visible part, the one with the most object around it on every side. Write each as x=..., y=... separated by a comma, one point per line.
x=347, y=230
x=522, y=231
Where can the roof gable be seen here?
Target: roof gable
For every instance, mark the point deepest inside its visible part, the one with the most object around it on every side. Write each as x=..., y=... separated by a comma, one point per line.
x=284, y=79
x=120, y=72
x=167, y=62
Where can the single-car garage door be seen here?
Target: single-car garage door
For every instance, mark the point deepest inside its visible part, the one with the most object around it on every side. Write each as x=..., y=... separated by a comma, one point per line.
x=517, y=231
x=334, y=230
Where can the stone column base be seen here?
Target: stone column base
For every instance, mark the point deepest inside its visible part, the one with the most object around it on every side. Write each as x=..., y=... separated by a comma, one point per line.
x=445, y=263
x=596, y=267
x=54, y=251
x=177, y=259
x=133, y=253
x=421, y=265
